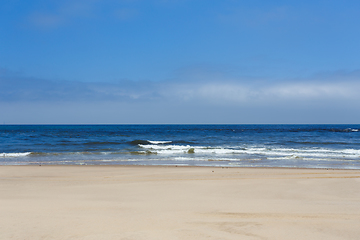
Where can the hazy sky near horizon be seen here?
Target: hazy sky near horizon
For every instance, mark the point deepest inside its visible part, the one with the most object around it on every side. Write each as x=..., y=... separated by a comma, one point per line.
x=179, y=61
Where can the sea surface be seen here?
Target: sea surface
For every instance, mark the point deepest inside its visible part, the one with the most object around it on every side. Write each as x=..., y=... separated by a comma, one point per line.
x=294, y=146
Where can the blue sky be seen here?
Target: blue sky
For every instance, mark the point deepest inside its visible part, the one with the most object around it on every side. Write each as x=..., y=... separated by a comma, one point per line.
x=179, y=61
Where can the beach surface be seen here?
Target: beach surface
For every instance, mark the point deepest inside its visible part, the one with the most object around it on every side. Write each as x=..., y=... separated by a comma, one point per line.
x=153, y=202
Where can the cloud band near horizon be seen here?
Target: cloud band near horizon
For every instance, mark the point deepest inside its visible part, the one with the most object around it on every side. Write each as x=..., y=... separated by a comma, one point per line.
x=220, y=91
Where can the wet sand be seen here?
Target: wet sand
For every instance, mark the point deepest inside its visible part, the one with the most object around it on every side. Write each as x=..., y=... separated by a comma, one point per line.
x=145, y=202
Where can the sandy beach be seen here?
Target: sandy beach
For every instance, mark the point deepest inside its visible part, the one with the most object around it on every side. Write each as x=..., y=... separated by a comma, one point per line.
x=145, y=202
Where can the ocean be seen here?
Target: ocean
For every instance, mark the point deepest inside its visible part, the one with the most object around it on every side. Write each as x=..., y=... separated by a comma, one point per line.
x=293, y=146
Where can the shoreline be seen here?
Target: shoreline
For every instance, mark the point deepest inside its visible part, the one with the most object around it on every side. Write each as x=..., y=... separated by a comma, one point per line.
x=184, y=202
x=177, y=166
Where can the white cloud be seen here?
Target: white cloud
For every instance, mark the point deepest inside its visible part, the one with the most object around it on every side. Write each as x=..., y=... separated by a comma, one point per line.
x=320, y=91
x=221, y=100
x=220, y=91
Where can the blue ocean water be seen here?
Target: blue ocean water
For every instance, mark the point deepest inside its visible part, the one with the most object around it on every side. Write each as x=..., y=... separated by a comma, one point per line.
x=304, y=146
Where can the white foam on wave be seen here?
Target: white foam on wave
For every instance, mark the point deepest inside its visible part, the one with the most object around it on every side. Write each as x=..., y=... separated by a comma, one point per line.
x=159, y=142
x=267, y=152
x=315, y=152
x=14, y=154
x=207, y=159
x=165, y=147
x=351, y=130
x=177, y=149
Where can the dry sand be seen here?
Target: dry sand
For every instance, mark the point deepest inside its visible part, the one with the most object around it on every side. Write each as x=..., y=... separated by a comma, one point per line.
x=126, y=202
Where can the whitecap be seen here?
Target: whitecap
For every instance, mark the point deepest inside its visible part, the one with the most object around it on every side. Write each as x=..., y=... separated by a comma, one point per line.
x=159, y=142
x=14, y=154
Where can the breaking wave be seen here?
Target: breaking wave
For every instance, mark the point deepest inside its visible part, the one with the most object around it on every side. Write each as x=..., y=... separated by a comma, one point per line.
x=254, y=151
x=335, y=146
x=5, y=155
